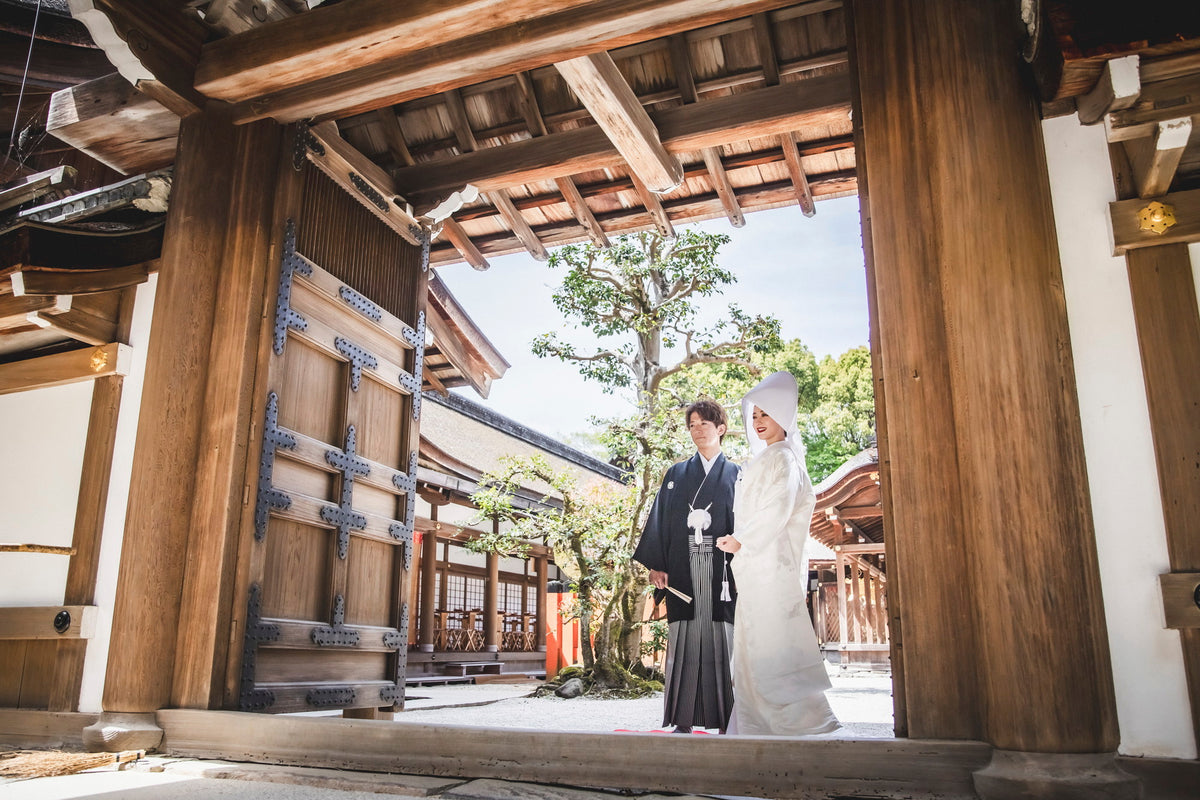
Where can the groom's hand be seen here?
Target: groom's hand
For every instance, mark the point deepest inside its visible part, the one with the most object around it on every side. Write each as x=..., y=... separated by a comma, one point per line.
x=659, y=579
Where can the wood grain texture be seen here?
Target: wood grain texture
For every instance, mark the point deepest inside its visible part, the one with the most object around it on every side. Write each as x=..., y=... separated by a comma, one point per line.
x=491, y=50
x=171, y=429
x=610, y=100
x=1168, y=326
x=759, y=766
x=226, y=442
x=775, y=110
x=87, y=364
x=1128, y=235
x=37, y=622
x=984, y=443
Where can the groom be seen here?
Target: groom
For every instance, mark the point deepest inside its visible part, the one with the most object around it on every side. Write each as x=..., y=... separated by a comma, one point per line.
x=694, y=507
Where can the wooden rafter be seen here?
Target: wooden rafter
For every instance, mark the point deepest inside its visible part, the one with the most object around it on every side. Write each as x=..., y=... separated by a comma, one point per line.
x=767, y=112
x=238, y=16
x=454, y=233
x=1158, y=101
x=1155, y=158
x=566, y=185
x=791, y=154
x=32, y=281
x=1118, y=88
x=606, y=94
x=394, y=136
x=682, y=62
x=497, y=197
x=654, y=207
x=34, y=186
x=358, y=57
x=766, y=48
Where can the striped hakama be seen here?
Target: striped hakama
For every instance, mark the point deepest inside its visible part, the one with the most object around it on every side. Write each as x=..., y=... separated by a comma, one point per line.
x=699, y=691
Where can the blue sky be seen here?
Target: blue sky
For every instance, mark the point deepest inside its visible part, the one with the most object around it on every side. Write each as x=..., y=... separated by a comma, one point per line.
x=808, y=272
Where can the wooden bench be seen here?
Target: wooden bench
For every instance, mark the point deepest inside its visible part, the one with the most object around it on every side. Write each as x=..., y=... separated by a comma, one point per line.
x=471, y=668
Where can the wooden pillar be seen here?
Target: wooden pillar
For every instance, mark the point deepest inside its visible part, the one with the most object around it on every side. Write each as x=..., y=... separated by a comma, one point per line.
x=491, y=605
x=428, y=585
x=1168, y=327
x=190, y=448
x=984, y=442
x=89, y=526
x=843, y=619
x=543, y=609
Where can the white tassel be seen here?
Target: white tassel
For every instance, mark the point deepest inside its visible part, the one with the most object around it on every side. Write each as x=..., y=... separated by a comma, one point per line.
x=725, y=596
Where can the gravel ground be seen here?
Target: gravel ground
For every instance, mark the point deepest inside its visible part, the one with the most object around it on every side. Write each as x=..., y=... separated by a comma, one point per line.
x=862, y=701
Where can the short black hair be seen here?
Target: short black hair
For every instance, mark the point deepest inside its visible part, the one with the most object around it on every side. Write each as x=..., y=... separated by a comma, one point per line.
x=709, y=410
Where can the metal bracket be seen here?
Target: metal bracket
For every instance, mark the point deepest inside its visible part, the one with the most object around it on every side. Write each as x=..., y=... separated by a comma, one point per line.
x=337, y=635
x=407, y=482
x=358, y=359
x=360, y=303
x=422, y=235
x=268, y=496
x=342, y=516
x=391, y=695
x=257, y=632
x=286, y=316
x=393, y=641
x=412, y=382
x=305, y=141
x=332, y=696
x=369, y=192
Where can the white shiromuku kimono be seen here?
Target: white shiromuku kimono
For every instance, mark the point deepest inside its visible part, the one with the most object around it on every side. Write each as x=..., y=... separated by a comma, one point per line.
x=779, y=677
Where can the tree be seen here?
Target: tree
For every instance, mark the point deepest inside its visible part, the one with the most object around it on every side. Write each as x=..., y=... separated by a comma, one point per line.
x=836, y=409
x=590, y=537
x=638, y=299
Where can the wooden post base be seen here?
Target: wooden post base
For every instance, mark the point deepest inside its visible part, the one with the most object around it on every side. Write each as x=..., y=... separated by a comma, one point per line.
x=1055, y=776
x=115, y=732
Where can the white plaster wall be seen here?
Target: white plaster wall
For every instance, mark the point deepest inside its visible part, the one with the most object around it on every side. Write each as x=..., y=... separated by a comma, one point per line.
x=95, y=661
x=1148, y=672
x=44, y=435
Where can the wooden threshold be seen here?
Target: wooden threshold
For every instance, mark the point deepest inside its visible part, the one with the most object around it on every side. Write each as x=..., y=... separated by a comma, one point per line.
x=27, y=728
x=758, y=766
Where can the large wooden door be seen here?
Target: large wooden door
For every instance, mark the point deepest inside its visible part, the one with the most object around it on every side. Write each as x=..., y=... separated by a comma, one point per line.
x=325, y=576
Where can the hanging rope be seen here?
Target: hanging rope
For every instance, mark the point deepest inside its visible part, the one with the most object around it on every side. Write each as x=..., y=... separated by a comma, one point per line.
x=37, y=13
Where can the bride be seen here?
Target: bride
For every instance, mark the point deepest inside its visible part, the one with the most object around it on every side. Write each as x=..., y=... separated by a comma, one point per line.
x=779, y=677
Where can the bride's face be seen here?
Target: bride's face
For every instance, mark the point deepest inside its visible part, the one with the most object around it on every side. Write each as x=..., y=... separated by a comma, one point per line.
x=767, y=429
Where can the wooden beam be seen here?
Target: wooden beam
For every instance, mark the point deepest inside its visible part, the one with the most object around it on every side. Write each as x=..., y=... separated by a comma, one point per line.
x=232, y=17
x=1158, y=101
x=1128, y=235
x=791, y=154
x=583, y=214
x=766, y=48
x=34, y=186
x=1178, y=591
x=38, y=622
x=388, y=53
x=77, y=365
x=722, y=186
x=654, y=207
x=859, y=512
x=606, y=94
x=15, y=311
x=766, y=112
x=1117, y=88
x=1167, y=317
x=1155, y=159
x=517, y=223
x=42, y=282
x=115, y=124
x=566, y=186
x=455, y=234
x=374, y=188
x=394, y=136
x=154, y=45
x=498, y=197
x=78, y=324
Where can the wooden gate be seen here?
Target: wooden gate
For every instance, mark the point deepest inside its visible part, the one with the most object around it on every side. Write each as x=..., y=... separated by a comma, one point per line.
x=325, y=576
